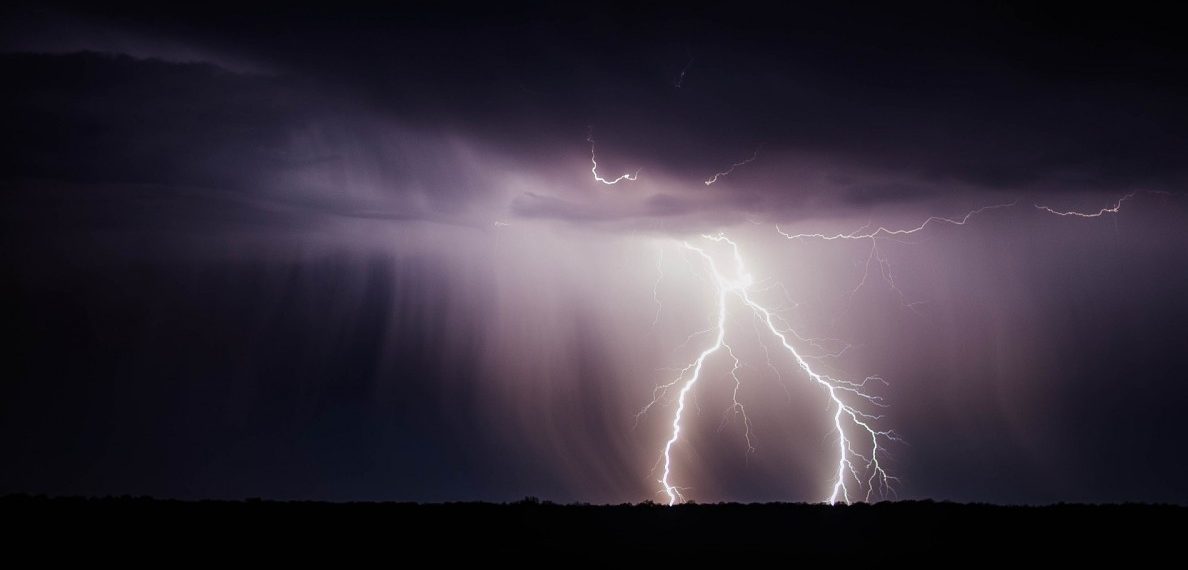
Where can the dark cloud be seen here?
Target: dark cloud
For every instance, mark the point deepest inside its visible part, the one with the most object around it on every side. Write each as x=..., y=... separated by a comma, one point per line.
x=875, y=193
x=110, y=127
x=101, y=118
x=1001, y=99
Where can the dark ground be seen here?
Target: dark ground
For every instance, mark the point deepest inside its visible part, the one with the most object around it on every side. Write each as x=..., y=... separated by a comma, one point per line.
x=130, y=528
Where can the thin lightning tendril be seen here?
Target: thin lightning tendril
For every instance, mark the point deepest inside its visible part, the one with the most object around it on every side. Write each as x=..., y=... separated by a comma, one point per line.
x=709, y=181
x=594, y=169
x=736, y=406
x=1109, y=210
x=882, y=232
x=876, y=257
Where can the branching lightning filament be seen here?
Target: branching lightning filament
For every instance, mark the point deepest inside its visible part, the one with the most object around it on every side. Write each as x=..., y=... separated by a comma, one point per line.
x=861, y=444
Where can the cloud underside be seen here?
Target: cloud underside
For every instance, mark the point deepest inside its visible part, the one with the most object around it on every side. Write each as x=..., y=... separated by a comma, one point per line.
x=364, y=142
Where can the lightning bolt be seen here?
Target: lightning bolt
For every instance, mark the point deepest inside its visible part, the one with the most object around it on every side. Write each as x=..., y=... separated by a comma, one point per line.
x=711, y=180
x=855, y=469
x=876, y=257
x=861, y=443
x=594, y=162
x=882, y=232
x=1108, y=210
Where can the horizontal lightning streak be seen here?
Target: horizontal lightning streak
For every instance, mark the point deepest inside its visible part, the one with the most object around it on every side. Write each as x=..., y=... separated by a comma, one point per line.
x=876, y=257
x=1110, y=210
x=882, y=232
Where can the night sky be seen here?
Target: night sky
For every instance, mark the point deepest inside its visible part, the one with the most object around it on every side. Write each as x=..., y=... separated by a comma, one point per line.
x=357, y=252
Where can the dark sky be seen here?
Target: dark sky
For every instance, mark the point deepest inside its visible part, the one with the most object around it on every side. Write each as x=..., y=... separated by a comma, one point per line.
x=356, y=251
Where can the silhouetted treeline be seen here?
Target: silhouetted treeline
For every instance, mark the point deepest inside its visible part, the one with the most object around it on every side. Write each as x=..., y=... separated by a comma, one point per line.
x=133, y=526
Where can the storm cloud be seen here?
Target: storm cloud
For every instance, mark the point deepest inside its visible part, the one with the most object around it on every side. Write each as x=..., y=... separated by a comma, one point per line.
x=359, y=252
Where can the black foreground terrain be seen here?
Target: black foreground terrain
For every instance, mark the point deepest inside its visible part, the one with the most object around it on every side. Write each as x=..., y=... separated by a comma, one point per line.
x=128, y=527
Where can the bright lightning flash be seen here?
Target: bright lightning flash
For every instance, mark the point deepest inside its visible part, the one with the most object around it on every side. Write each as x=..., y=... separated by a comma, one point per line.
x=859, y=469
x=855, y=470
